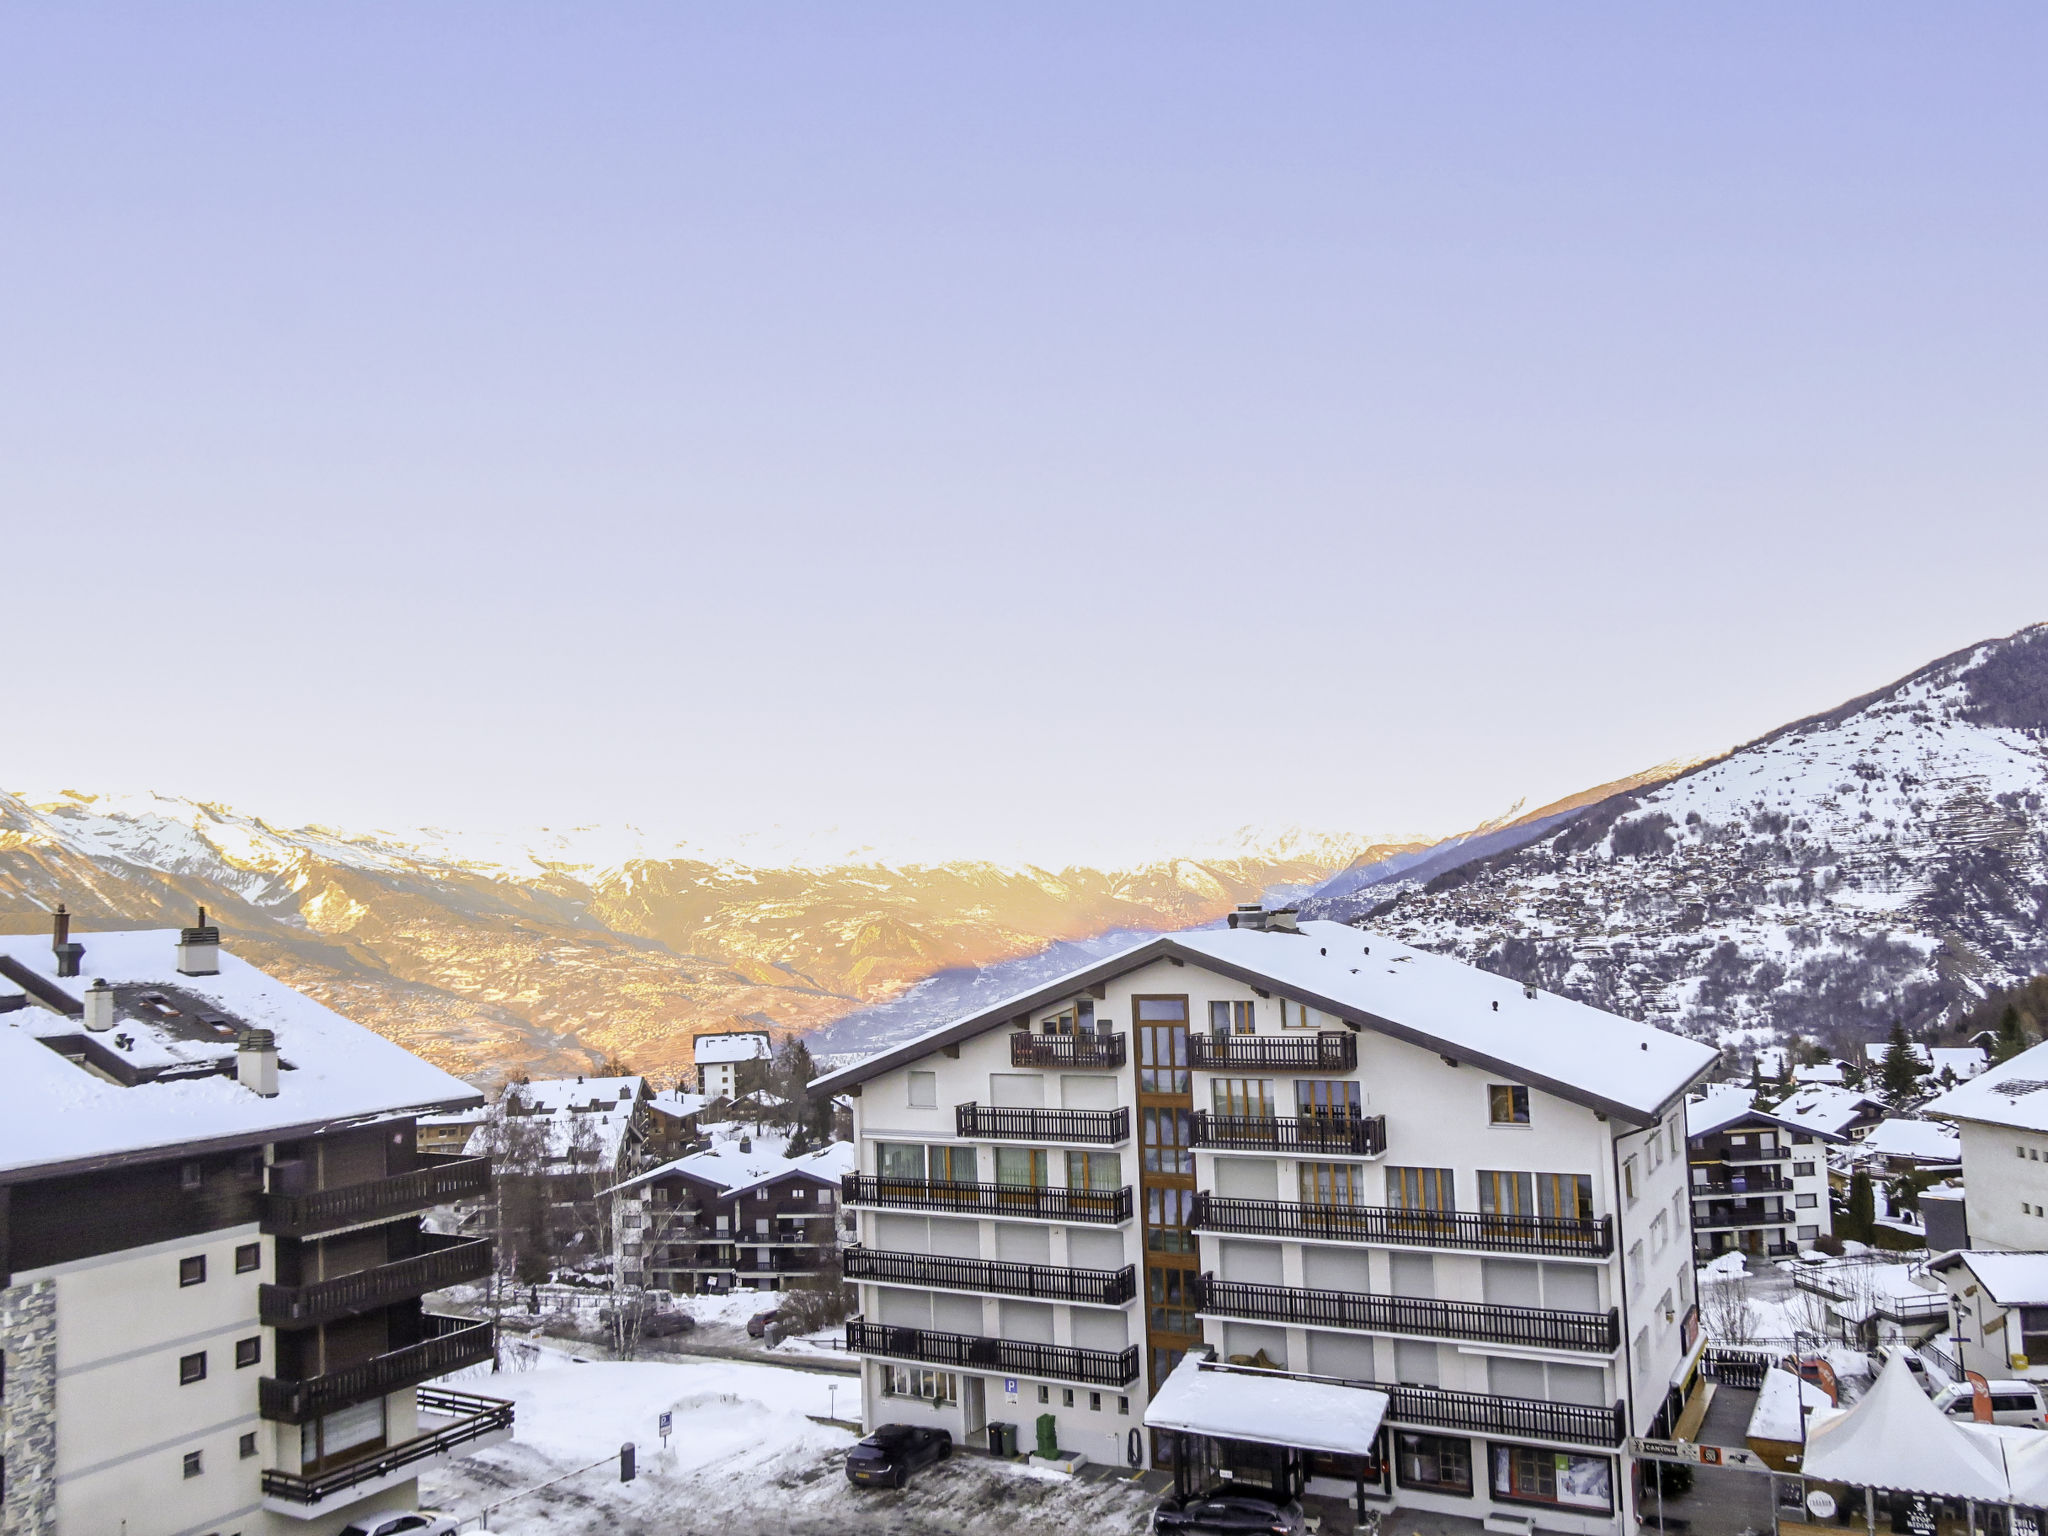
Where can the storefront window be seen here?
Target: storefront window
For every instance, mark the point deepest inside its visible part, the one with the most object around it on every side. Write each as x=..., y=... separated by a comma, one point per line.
x=1435, y=1462
x=935, y=1387
x=1529, y=1475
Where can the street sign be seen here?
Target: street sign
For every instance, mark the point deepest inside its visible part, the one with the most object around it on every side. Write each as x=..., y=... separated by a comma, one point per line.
x=1010, y=1390
x=664, y=1424
x=1697, y=1455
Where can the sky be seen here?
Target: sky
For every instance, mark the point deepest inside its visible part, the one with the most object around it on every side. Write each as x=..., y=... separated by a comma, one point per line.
x=1056, y=430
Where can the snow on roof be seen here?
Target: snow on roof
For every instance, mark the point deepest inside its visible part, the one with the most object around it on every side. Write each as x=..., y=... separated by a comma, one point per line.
x=1567, y=1048
x=54, y=1111
x=2013, y=1279
x=2013, y=1093
x=1779, y=1404
x=1965, y=1061
x=1203, y=1399
x=1718, y=1105
x=586, y=1119
x=1823, y=1072
x=1895, y=1438
x=733, y=1170
x=1825, y=1110
x=1923, y=1141
x=676, y=1102
x=712, y=1050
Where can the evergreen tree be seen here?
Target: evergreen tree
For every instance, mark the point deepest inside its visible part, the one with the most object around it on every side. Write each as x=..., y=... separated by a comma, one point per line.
x=1860, y=1218
x=2012, y=1036
x=1899, y=1074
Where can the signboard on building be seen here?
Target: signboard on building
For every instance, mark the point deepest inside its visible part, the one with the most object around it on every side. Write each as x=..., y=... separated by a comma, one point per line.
x=1697, y=1455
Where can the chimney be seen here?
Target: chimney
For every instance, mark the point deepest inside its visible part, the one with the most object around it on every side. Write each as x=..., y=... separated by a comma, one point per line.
x=1249, y=915
x=199, y=953
x=99, y=1005
x=68, y=954
x=1286, y=920
x=256, y=1062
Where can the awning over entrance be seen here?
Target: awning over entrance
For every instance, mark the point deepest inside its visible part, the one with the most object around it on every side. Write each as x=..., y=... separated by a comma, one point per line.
x=1201, y=1398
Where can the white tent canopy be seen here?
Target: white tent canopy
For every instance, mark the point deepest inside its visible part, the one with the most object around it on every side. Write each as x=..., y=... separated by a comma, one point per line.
x=1200, y=1399
x=1896, y=1439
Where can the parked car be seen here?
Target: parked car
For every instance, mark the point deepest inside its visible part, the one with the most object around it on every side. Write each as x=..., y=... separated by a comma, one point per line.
x=661, y=1325
x=2012, y=1402
x=1227, y=1513
x=757, y=1325
x=402, y=1522
x=888, y=1456
x=1881, y=1356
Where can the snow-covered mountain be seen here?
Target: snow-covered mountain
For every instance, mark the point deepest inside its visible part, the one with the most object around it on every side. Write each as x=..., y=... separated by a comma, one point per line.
x=1885, y=860
x=506, y=956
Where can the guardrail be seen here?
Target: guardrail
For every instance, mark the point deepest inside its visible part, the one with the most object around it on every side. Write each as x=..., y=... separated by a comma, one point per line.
x=451, y=1343
x=1344, y=1135
x=1014, y=1357
x=1107, y=1206
x=1330, y=1050
x=1100, y=1050
x=476, y=1417
x=402, y=1194
x=448, y=1261
x=995, y=1122
x=1557, y=1236
x=1108, y=1287
x=1530, y=1327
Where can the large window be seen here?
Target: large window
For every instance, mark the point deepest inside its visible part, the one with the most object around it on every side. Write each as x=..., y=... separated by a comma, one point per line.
x=2034, y=1334
x=954, y=1165
x=1251, y=1096
x=914, y=1381
x=1332, y=1183
x=1167, y=1213
x=1532, y=1476
x=1095, y=1170
x=1230, y=1018
x=1436, y=1462
x=1421, y=1189
x=1334, y=1100
x=1079, y=1019
x=1021, y=1165
x=899, y=1160
x=1162, y=1029
x=1163, y=1136
x=1569, y=1195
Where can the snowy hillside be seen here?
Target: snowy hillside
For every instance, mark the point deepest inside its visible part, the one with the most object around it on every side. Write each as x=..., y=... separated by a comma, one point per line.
x=1888, y=859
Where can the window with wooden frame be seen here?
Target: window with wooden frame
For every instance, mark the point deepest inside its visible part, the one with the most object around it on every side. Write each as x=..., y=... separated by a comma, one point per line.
x=1077, y=1018
x=1422, y=1189
x=1331, y=1183
x=1327, y=1099
x=1507, y=1104
x=1233, y=1018
x=1247, y=1096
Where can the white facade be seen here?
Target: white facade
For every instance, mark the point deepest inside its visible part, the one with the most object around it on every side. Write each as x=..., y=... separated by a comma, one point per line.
x=1602, y=1323
x=718, y=1059
x=1759, y=1183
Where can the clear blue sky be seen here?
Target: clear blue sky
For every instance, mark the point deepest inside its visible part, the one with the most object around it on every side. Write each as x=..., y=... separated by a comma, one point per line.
x=1064, y=427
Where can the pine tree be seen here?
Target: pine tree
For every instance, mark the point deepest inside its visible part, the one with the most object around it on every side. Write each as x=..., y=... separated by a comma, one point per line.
x=2012, y=1036
x=1899, y=1074
x=1860, y=1218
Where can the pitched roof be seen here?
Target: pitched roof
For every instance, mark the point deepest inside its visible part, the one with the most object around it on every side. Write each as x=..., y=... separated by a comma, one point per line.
x=1923, y=1141
x=2013, y=1093
x=2013, y=1279
x=733, y=1170
x=57, y=1114
x=1825, y=1110
x=585, y=1120
x=1579, y=1053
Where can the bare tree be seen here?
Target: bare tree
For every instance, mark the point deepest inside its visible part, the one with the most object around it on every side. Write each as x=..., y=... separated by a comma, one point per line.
x=1725, y=1311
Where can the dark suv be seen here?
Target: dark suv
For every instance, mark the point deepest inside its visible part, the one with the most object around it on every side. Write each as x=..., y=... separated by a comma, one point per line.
x=1226, y=1512
x=888, y=1456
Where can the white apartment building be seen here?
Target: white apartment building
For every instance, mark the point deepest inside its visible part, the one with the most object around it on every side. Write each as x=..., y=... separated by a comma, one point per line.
x=1759, y=1182
x=718, y=1057
x=211, y=1255
x=1381, y=1189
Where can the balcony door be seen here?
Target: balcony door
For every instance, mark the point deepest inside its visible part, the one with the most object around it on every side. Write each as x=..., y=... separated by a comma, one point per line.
x=1166, y=1187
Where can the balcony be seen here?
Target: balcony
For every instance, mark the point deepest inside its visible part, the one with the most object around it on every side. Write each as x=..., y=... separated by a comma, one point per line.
x=1762, y=1183
x=989, y=1122
x=1099, y=1050
x=1483, y=1413
x=1032, y=1201
x=1550, y=1236
x=1528, y=1327
x=1339, y=1135
x=353, y=1205
x=1004, y=1357
x=1737, y=1156
x=467, y=1422
x=447, y=1261
x=1045, y=1282
x=450, y=1344
x=1729, y=1217
x=1331, y=1050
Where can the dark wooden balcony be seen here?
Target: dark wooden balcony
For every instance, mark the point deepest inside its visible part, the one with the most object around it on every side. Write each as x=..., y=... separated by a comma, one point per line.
x=1731, y=1216
x=1529, y=1327
x=1108, y=1206
x=450, y=1344
x=446, y=1261
x=1341, y=1135
x=1009, y=1357
x=989, y=1122
x=405, y=1194
x=1098, y=1050
x=1331, y=1050
x=1108, y=1287
x=1552, y=1236
x=474, y=1418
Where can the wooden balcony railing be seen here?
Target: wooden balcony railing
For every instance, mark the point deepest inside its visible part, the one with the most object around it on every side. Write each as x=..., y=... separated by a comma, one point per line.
x=451, y=1343
x=402, y=1194
x=1554, y=1236
x=1331, y=1050
x=447, y=1261
x=475, y=1417
x=1343, y=1135
x=1098, y=1050
x=1108, y=1287
x=1530, y=1327
x=1011, y=1357
x=990, y=1122
x=1108, y=1206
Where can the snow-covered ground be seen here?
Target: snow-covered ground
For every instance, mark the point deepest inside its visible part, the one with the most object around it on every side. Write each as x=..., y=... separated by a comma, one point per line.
x=746, y=1455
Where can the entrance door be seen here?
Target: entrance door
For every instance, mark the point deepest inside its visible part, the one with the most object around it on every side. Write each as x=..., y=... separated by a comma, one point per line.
x=1166, y=1182
x=973, y=1408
